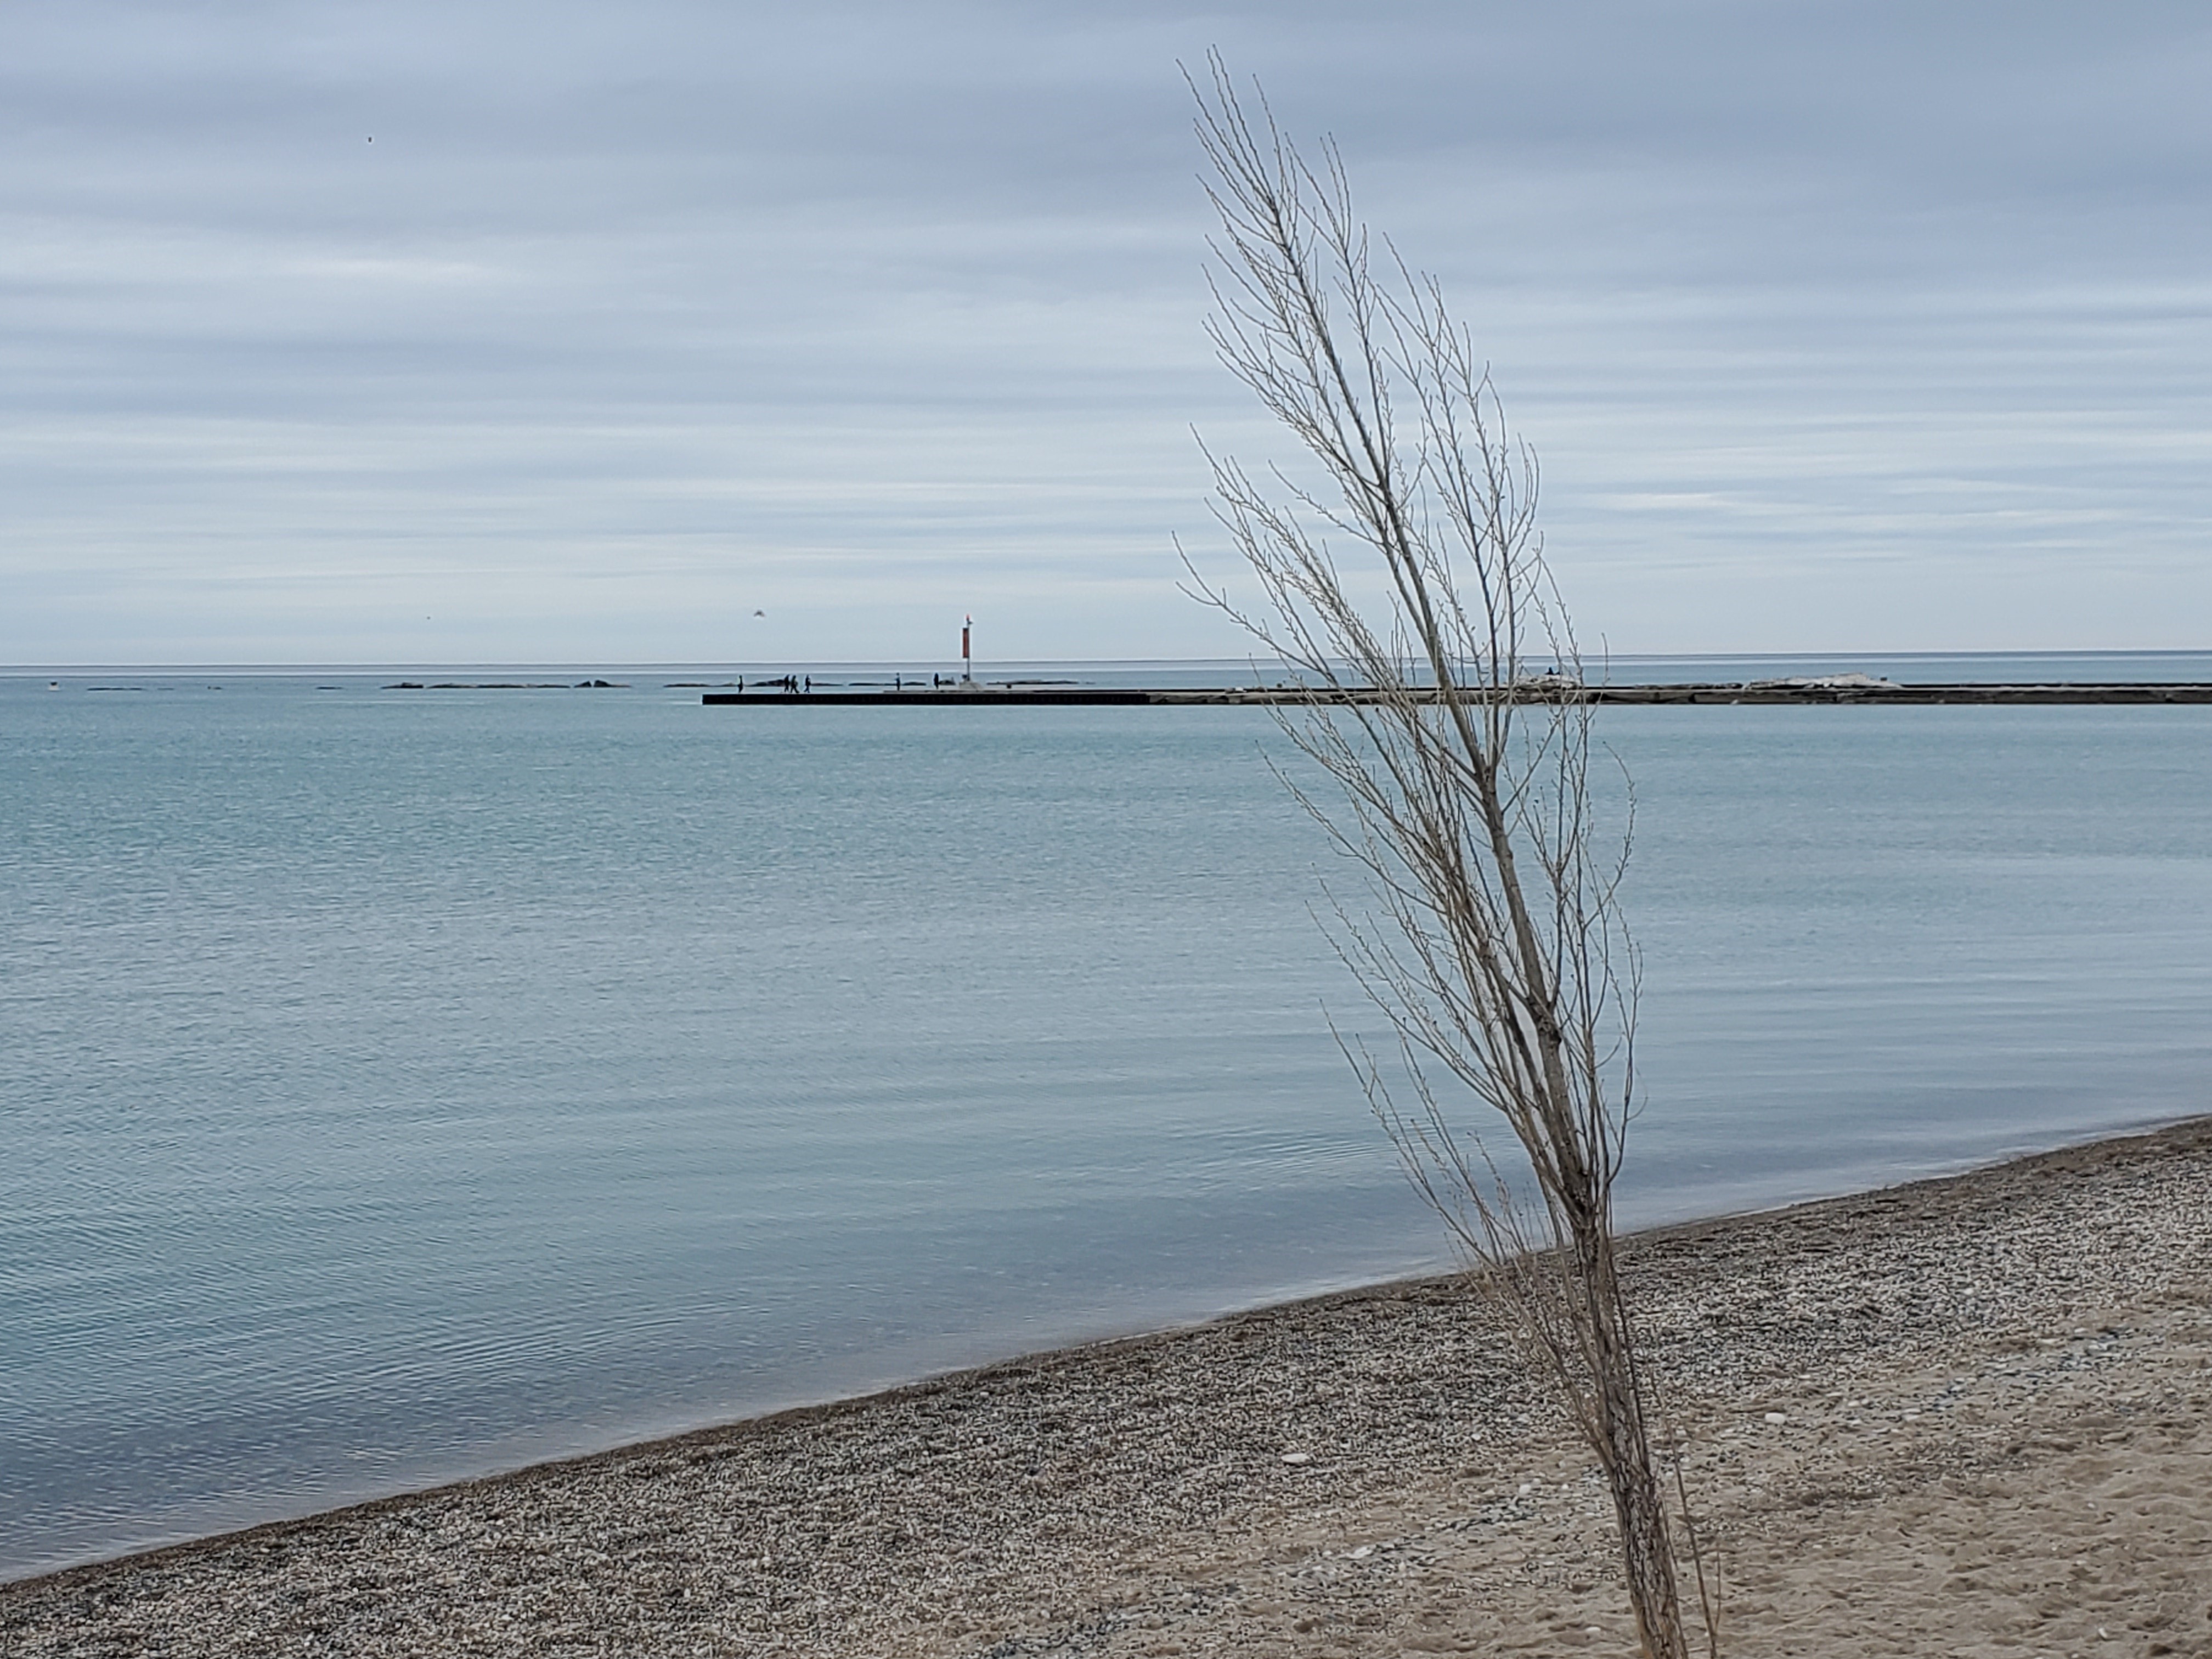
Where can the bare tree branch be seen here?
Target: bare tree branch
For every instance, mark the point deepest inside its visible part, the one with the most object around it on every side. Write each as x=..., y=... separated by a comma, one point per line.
x=1491, y=939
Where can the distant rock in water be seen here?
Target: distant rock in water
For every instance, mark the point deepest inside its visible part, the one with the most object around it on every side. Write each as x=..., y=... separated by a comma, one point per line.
x=508, y=685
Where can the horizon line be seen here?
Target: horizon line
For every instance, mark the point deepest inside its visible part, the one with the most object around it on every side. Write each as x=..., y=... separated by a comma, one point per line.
x=573, y=664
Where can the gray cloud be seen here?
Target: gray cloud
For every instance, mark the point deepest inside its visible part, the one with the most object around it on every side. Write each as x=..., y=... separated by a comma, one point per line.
x=507, y=333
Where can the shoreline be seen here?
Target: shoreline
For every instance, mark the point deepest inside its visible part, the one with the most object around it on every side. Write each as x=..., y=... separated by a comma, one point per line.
x=1131, y=1497
x=1067, y=1351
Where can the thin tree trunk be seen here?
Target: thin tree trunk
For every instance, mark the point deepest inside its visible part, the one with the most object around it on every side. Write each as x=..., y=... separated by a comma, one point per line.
x=1646, y=1547
x=1496, y=949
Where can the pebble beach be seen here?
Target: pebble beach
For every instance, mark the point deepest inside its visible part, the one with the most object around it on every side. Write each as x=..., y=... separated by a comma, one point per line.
x=1968, y=1416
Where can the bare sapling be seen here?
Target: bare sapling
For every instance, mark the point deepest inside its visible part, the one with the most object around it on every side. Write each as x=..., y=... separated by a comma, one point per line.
x=1458, y=782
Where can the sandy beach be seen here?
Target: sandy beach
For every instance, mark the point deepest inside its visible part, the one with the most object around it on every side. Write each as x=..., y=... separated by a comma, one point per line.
x=1962, y=1417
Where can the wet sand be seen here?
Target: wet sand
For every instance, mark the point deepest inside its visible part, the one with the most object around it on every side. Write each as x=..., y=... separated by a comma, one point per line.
x=1965, y=1417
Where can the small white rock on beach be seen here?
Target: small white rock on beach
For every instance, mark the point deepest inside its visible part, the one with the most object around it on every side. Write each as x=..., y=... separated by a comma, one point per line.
x=1969, y=1417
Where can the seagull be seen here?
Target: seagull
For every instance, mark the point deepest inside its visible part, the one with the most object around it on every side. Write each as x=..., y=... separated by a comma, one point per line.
x=760, y=613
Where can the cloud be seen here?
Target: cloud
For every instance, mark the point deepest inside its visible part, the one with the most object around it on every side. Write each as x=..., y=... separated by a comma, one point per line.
x=584, y=332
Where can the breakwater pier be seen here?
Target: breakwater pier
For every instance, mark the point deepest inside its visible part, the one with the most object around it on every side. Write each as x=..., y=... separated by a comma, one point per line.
x=1847, y=690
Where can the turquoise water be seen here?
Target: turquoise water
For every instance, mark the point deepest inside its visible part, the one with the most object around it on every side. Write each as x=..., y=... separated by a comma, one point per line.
x=402, y=1085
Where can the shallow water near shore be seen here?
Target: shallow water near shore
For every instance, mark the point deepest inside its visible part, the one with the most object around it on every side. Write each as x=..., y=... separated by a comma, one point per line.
x=407, y=1084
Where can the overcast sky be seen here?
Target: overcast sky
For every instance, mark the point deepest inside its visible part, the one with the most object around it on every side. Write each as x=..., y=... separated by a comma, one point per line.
x=486, y=331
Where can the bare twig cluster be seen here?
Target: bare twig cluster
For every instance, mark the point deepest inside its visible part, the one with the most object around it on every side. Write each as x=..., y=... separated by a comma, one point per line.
x=1491, y=938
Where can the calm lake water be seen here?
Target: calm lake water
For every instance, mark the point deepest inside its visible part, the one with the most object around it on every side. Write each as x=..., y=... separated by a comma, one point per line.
x=401, y=1085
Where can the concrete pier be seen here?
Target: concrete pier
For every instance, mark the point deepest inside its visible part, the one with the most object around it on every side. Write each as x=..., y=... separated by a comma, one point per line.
x=1782, y=694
